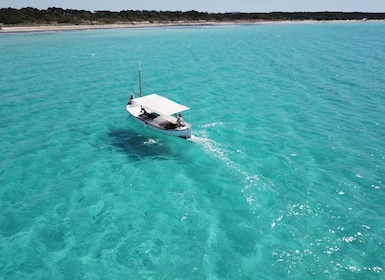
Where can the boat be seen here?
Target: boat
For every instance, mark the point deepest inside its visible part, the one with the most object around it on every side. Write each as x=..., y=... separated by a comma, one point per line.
x=158, y=113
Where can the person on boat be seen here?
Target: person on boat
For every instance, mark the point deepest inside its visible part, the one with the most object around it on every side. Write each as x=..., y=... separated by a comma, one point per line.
x=145, y=113
x=131, y=99
x=179, y=121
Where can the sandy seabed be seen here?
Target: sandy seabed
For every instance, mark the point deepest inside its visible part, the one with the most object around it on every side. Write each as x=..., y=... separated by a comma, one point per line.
x=42, y=28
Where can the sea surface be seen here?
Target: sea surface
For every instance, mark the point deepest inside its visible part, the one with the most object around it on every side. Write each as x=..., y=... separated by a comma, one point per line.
x=283, y=178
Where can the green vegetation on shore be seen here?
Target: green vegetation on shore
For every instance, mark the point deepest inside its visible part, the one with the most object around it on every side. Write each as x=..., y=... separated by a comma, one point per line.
x=32, y=16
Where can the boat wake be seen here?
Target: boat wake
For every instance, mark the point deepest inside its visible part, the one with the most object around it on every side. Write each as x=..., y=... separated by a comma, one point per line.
x=214, y=149
x=151, y=142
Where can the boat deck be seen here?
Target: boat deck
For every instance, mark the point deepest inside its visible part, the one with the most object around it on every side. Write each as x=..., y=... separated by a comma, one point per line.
x=161, y=122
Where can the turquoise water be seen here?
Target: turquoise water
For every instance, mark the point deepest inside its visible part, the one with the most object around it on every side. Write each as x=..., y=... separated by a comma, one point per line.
x=283, y=177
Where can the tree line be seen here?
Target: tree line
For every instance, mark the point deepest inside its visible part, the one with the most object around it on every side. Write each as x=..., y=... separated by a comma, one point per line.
x=30, y=16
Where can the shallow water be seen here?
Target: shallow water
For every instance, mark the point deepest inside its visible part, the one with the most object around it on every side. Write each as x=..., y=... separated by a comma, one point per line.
x=283, y=177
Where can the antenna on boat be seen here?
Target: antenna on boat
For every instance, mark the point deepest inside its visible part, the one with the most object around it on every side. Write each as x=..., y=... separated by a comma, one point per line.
x=140, y=81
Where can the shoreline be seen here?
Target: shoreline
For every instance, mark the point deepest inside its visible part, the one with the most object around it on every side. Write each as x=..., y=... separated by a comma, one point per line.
x=45, y=28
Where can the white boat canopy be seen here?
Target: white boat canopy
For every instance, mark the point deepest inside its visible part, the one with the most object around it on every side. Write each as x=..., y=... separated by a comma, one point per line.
x=160, y=104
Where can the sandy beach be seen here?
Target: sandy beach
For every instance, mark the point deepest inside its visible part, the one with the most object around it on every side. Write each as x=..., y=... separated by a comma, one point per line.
x=44, y=28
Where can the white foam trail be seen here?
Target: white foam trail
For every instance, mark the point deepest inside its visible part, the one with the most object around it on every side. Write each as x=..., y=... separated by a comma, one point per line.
x=151, y=142
x=214, y=149
x=214, y=124
x=211, y=147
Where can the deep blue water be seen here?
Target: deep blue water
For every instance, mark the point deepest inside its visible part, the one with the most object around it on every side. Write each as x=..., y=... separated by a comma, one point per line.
x=283, y=177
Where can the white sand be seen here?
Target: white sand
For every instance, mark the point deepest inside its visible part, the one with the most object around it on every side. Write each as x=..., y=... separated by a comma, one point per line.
x=42, y=28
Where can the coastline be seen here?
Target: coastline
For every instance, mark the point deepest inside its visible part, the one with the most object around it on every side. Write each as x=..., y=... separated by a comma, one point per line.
x=45, y=28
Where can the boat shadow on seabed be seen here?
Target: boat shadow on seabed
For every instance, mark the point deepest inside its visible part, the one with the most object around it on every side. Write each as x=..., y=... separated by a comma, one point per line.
x=138, y=146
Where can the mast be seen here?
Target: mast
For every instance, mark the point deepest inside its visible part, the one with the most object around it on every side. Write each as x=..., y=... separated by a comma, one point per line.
x=140, y=82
